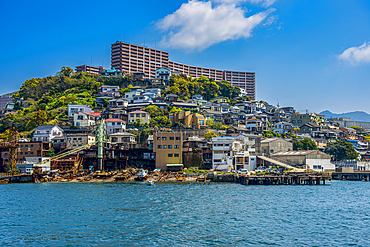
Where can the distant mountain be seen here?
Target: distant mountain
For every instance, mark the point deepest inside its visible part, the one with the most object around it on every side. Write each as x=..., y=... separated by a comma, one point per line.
x=355, y=116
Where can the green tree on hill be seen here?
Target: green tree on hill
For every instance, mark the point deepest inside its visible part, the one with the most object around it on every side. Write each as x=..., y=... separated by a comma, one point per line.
x=341, y=150
x=38, y=118
x=305, y=144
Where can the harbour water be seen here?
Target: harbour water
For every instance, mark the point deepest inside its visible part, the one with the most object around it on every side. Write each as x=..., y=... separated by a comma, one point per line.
x=184, y=214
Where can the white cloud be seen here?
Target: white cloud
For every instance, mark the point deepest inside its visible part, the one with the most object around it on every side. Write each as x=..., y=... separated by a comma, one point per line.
x=198, y=24
x=265, y=3
x=359, y=54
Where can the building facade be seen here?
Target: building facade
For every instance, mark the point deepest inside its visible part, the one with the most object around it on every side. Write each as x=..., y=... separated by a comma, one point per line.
x=168, y=149
x=131, y=58
x=89, y=69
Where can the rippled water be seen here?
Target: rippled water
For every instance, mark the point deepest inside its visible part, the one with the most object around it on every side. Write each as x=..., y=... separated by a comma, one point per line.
x=189, y=214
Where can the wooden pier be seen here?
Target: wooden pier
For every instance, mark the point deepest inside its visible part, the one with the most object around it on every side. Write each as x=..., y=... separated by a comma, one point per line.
x=304, y=179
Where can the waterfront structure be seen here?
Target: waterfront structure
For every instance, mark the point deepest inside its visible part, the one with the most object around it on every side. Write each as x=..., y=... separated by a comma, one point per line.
x=168, y=149
x=89, y=69
x=131, y=58
x=224, y=150
x=33, y=149
x=310, y=159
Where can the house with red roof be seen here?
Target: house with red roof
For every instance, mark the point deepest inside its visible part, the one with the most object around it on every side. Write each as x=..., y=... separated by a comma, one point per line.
x=115, y=125
x=84, y=119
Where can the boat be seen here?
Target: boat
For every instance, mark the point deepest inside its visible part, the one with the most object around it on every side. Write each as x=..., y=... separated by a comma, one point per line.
x=150, y=183
x=141, y=175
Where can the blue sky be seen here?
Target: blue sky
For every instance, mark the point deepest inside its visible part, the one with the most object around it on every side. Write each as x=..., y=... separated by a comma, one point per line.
x=313, y=55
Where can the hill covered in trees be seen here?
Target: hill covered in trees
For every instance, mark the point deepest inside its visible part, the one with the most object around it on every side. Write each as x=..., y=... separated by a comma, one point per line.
x=44, y=100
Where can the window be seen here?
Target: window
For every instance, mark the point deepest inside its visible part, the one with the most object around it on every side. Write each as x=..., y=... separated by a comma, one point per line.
x=172, y=138
x=132, y=115
x=176, y=155
x=26, y=146
x=178, y=138
x=31, y=145
x=21, y=146
x=138, y=115
x=80, y=138
x=31, y=152
x=159, y=146
x=176, y=146
x=25, y=152
x=164, y=138
x=158, y=138
x=170, y=155
x=74, y=138
x=165, y=146
x=143, y=114
x=169, y=146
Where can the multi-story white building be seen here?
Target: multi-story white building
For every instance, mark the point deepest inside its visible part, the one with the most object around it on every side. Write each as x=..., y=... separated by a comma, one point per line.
x=233, y=153
x=72, y=109
x=47, y=133
x=83, y=119
x=115, y=125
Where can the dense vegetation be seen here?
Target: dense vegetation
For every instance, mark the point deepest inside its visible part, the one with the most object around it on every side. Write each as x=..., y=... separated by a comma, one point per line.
x=185, y=87
x=45, y=100
x=341, y=150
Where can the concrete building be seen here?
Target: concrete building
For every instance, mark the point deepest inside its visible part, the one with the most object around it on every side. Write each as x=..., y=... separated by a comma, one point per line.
x=188, y=119
x=78, y=140
x=301, y=119
x=131, y=58
x=115, y=125
x=83, y=119
x=224, y=150
x=4, y=100
x=89, y=69
x=122, y=139
x=163, y=73
x=270, y=146
x=141, y=117
x=311, y=159
x=47, y=133
x=72, y=109
x=168, y=149
x=32, y=149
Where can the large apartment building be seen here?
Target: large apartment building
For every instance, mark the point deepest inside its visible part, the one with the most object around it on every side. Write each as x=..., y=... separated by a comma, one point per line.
x=132, y=58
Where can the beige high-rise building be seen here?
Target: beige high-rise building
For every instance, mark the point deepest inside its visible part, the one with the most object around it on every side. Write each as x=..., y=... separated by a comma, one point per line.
x=132, y=58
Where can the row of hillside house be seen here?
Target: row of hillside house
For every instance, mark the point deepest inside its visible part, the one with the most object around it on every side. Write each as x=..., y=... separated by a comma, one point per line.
x=162, y=75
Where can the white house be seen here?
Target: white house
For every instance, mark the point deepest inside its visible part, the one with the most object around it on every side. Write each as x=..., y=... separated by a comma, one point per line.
x=47, y=133
x=130, y=95
x=83, y=119
x=225, y=150
x=283, y=127
x=72, y=109
x=156, y=91
x=115, y=125
x=164, y=73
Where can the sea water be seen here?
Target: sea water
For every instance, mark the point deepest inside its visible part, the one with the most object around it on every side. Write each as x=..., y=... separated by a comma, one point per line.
x=184, y=214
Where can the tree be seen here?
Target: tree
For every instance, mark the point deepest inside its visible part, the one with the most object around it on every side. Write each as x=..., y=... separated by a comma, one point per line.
x=175, y=109
x=341, y=150
x=38, y=118
x=160, y=121
x=50, y=153
x=125, y=90
x=65, y=71
x=210, y=134
x=305, y=144
x=154, y=111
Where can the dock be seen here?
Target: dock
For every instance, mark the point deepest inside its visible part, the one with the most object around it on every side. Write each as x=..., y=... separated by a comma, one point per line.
x=295, y=179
